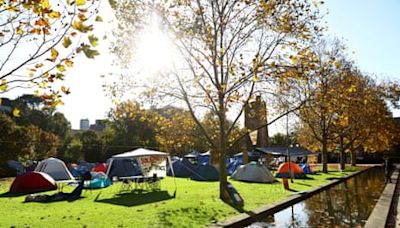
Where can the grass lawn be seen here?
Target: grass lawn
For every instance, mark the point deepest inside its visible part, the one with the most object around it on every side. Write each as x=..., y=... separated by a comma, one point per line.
x=196, y=204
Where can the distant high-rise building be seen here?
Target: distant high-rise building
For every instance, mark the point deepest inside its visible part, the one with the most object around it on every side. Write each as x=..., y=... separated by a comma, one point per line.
x=99, y=126
x=84, y=124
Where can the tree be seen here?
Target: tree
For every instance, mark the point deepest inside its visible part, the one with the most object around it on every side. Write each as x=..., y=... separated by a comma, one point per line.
x=92, y=146
x=320, y=66
x=31, y=33
x=231, y=50
x=278, y=139
x=14, y=140
x=43, y=144
x=176, y=132
x=131, y=126
x=73, y=150
x=350, y=112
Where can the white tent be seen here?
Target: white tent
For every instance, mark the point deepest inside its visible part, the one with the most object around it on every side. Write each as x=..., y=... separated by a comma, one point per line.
x=55, y=168
x=253, y=172
x=151, y=162
x=140, y=153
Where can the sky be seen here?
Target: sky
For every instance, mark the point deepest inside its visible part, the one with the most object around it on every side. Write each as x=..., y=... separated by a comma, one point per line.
x=370, y=28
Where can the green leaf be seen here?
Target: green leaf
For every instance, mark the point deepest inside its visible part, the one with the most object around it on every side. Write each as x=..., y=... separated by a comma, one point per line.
x=93, y=40
x=67, y=42
x=90, y=53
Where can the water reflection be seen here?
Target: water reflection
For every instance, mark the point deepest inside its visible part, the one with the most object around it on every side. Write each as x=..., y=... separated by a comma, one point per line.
x=347, y=204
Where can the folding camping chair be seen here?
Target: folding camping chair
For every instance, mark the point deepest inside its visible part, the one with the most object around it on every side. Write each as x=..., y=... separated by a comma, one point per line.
x=154, y=182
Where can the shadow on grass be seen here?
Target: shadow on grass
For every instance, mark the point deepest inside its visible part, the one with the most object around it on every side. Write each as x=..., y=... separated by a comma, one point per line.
x=135, y=198
x=10, y=194
x=309, y=185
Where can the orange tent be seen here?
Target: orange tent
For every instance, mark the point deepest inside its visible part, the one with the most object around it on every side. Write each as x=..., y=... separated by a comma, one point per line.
x=283, y=170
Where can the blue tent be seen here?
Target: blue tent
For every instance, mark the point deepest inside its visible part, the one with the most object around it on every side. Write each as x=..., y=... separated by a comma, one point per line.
x=204, y=158
x=17, y=166
x=99, y=180
x=233, y=165
x=306, y=168
x=73, y=171
x=205, y=172
x=182, y=168
x=124, y=167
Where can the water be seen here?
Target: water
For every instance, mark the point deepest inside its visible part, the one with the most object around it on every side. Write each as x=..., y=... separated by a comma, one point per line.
x=347, y=204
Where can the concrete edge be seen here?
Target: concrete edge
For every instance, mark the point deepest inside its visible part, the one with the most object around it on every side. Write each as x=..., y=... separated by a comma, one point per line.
x=247, y=218
x=380, y=213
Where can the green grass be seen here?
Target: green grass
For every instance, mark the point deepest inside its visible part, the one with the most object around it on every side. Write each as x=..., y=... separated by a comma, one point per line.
x=196, y=204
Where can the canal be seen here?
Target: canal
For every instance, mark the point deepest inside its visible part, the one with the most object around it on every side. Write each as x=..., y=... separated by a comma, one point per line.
x=347, y=204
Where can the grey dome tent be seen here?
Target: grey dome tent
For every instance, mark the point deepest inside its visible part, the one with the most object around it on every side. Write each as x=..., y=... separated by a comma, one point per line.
x=253, y=172
x=182, y=168
x=55, y=168
x=205, y=172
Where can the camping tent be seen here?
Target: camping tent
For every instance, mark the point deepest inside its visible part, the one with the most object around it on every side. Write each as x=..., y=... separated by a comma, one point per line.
x=253, y=172
x=306, y=168
x=193, y=154
x=99, y=180
x=205, y=172
x=123, y=167
x=252, y=156
x=283, y=170
x=102, y=167
x=233, y=165
x=33, y=182
x=148, y=162
x=17, y=166
x=204, y=158
x=55, y=168
x=182, y=168
x=285, y=151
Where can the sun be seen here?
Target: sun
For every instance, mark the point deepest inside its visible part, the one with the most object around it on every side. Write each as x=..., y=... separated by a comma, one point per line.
x=155, y=52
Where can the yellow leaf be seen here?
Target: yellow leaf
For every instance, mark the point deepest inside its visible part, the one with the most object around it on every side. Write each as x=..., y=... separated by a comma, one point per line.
x=69, y=63
x=54, y=15
x=294, y=59
x=3, y=85
x=54, y=54
x=39, y=65
x=80, y=2
x=16, y=112
x=20, y=31
x=61, y=68
x=37, y=93
x=98, y=18
x=45, y=4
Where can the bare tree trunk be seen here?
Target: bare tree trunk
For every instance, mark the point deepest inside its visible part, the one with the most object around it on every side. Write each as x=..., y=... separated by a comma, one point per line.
x=342, y=155
x=353, y=158
x=223, y=182
x=324, y=157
